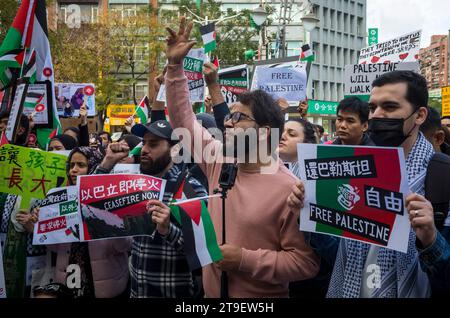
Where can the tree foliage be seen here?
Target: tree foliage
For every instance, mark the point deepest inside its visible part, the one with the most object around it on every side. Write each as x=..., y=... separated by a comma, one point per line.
x=8, y=10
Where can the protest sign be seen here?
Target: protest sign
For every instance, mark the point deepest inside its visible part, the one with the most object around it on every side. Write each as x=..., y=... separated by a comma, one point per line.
x=16, y=109
x=233, y=81
x=445, y=101
x=359, y=77
x=193, y=69
x=38, y=104
x=355, y=193
x=287, y=83
x=70, y=97
x=59, y=219
x=115, y=205
x=2, y=277
x=402, y=49
x=30, y=173
x=130, y=168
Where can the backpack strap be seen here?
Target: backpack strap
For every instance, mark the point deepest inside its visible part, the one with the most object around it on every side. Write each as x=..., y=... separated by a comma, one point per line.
x=437, y=187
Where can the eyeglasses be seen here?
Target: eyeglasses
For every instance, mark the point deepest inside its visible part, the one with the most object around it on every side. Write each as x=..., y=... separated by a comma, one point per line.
x=237, y=117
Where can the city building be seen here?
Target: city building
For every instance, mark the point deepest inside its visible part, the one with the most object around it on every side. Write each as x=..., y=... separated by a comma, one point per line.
x=434, y=63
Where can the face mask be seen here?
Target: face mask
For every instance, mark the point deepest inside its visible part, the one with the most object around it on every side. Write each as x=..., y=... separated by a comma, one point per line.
x=388, y=132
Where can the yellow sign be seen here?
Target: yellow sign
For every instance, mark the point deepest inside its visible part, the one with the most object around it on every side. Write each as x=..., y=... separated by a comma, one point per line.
x=445, y=101
x=120, y=111
x=29, y=172
x=114, y=121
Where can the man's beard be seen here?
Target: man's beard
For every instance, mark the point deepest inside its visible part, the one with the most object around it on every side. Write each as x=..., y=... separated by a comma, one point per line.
x=241, y=152
x=155, y=167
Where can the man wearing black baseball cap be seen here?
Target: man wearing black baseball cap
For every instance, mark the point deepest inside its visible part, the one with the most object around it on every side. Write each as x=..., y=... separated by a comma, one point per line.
x=158, y=264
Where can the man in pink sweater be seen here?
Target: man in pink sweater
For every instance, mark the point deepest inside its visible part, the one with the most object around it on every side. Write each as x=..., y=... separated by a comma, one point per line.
x=264, y=249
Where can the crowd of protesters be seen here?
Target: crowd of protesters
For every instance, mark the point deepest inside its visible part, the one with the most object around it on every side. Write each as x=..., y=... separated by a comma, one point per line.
x=265, y=255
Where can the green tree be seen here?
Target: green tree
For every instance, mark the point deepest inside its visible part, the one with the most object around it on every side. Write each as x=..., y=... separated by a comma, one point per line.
x=8, y=10
x=233, y=36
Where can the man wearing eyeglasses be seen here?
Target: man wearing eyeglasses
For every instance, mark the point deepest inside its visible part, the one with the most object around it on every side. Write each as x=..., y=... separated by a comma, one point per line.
x=264, y=250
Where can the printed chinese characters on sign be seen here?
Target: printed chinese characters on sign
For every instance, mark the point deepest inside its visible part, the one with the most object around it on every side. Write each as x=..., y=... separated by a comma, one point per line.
x=356, y=193
x=115, y=205
x=30, y=173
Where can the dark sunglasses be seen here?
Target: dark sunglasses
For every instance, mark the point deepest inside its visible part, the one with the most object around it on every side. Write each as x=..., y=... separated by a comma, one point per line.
x=237, y=117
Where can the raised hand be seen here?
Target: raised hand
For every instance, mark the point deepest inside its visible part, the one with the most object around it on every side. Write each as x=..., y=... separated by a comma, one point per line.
x=114, y=153
x=210, y=72
x=178, y=44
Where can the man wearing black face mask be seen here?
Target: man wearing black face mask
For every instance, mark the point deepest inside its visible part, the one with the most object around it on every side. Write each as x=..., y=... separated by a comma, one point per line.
x=398, y=107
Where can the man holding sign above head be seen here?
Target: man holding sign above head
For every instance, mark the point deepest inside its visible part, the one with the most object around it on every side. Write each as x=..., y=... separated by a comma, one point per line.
x=398, y=107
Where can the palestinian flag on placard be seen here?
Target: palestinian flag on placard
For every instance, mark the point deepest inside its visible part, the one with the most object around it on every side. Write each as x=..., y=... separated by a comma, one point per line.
x=29, y=67
x=209, y=37
x=200, y=242
x=355, y=198
x=307, y=54
x=31, y=32
x=32, y=99
x=142, y=110
x=9, y=63
x=136, y=151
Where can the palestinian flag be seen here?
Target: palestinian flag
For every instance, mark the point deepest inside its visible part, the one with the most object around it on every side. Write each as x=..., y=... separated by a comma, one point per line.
x=307, y=54
x=358, y=193
x=3, y=139
x=200, y=242
x=9, y=63
x=32, y=99
x=142, y=110
x=209, y=37
x=29, y=67
x=136, y=151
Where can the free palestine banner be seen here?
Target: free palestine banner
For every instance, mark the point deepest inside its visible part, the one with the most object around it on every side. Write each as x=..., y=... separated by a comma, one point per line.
x=355, y=193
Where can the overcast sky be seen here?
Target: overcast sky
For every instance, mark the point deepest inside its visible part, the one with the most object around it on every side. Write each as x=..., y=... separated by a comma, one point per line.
x=397, y=17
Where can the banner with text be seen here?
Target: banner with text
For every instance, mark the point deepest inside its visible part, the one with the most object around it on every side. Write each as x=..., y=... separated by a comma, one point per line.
x=233, y=81
x=359, y=77
x=355, y=193
x=287, y=83
x=115, y=205
x=30, y=173
x=445, y=101
x=59, y=219
x=402, y=49
x=193, y=69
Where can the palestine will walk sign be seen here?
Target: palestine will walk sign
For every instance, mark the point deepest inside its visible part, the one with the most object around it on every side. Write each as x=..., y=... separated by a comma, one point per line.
x=356, y=193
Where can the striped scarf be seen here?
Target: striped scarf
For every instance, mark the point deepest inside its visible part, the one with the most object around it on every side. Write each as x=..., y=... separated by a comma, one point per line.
x=401, y=275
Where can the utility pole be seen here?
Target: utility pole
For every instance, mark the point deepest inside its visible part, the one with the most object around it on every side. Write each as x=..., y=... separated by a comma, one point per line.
x=153, y=60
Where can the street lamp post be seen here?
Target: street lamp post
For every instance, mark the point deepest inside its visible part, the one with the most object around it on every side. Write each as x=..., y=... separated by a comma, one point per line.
x=259, y=16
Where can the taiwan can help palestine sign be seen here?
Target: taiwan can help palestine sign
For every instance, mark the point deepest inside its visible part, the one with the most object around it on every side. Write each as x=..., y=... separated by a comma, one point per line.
x=233, y=81
x=359, y=77
x=59, y=220
x=402, y=49
x=30, y=173
x=287, y=83
x=115, y=205
x=193, y=69
x=356, y=193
